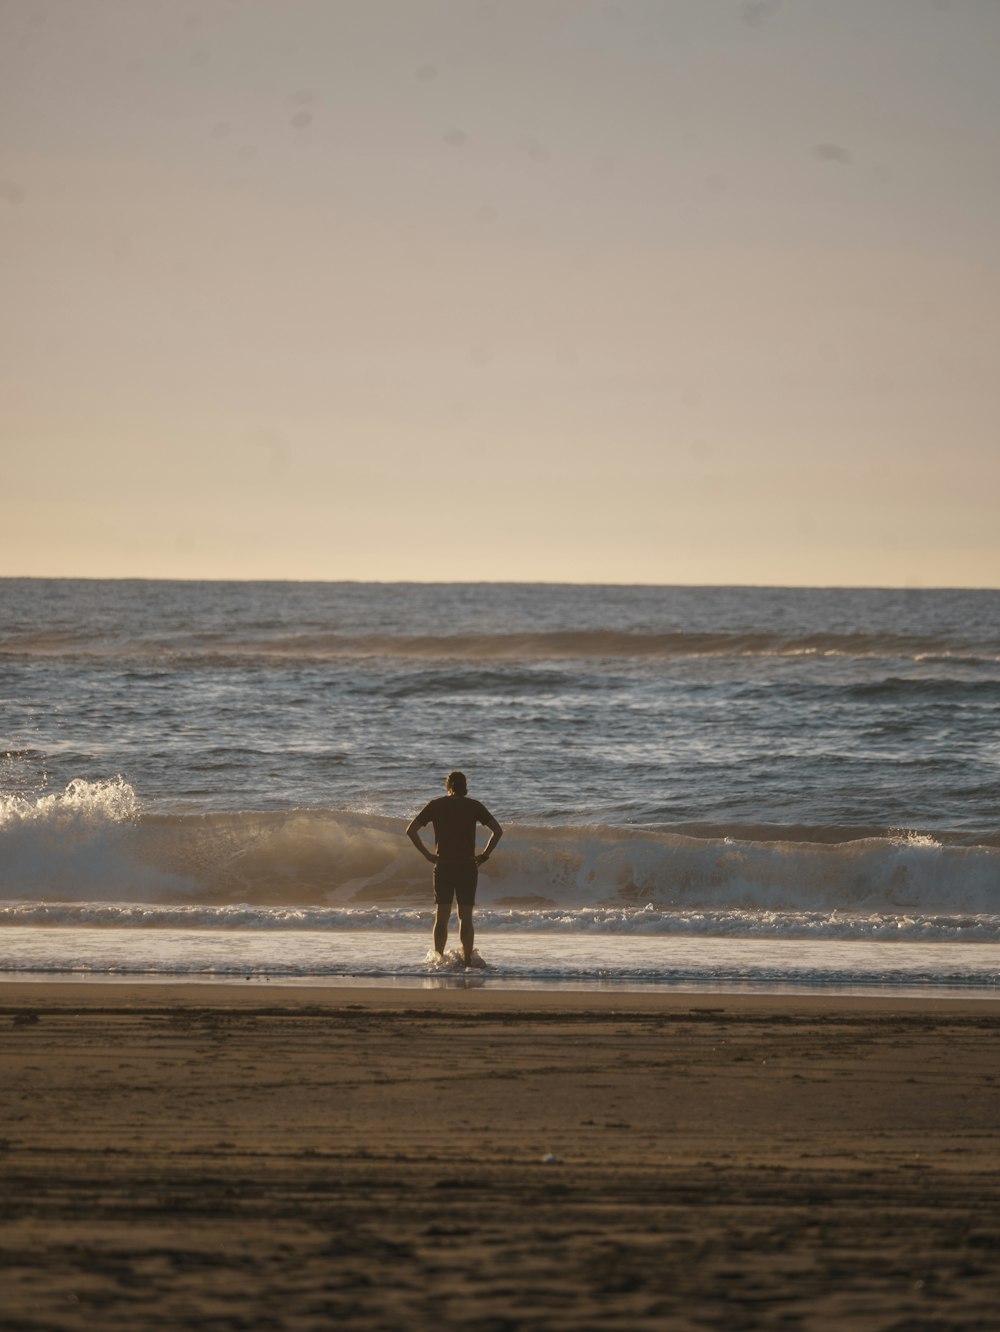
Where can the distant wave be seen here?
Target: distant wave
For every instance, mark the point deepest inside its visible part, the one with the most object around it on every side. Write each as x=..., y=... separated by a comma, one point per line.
x=92, y=844
x=553, y=645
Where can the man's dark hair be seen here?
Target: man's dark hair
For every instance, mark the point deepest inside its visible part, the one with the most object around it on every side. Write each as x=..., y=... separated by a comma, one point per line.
x=455, y=783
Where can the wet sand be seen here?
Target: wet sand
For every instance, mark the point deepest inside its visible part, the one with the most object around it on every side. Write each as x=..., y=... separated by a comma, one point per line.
x=262, y=1157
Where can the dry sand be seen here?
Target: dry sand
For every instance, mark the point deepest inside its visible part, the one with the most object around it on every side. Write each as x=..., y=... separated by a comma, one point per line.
x=221, y=1158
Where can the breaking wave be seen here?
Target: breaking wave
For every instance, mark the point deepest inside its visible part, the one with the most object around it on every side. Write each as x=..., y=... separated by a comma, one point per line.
x=90, y=855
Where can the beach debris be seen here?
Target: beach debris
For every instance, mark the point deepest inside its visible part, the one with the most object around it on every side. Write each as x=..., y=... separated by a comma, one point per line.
x=550, y=1158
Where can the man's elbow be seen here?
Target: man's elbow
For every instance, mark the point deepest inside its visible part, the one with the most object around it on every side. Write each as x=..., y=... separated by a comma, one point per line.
x=495, y=829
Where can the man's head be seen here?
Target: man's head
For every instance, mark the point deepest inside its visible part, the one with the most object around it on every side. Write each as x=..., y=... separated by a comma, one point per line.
x=455, y=783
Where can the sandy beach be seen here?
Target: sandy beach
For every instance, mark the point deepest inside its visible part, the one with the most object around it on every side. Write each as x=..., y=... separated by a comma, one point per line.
x=268, y=1157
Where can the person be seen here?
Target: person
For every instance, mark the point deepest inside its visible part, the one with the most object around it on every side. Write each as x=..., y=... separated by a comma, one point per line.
x=456, y=864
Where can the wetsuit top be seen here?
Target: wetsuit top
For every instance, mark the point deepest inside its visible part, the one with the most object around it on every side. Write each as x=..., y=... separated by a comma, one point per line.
x=454, y=818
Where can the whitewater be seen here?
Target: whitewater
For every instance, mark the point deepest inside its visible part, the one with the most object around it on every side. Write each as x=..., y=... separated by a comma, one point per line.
x=711, y=788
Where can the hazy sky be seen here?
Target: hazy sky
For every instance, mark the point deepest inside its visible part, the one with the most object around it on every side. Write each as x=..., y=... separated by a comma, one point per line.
x=669, y=291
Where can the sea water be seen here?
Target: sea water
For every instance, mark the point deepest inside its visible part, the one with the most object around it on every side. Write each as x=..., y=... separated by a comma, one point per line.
x=707, y=787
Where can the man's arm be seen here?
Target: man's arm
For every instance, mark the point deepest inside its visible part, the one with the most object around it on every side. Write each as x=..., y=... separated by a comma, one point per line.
x=496, y=832
x=413, y=833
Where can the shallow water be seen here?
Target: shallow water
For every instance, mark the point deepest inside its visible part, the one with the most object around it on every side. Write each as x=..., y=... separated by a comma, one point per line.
x=513, y=959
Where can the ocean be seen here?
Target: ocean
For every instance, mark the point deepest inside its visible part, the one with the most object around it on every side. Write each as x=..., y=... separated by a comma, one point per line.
x=712, y=788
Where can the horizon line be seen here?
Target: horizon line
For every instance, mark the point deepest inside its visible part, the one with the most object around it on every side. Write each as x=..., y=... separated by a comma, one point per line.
x=501, y=582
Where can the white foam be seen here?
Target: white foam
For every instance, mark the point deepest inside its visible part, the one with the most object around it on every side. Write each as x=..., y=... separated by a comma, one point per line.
x=453, y=961
x=81, y=804
x=624, y=922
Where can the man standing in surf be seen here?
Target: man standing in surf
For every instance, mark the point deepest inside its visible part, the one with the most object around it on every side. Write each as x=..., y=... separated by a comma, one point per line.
x=456, y=865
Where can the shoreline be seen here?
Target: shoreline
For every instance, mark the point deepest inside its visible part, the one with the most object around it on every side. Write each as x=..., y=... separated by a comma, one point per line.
x=516, y=994
x=129, y=992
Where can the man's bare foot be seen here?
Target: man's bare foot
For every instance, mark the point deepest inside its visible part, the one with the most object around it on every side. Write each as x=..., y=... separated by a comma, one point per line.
x=473, y=960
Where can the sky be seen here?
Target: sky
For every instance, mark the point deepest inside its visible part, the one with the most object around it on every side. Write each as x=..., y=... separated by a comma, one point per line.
x=629, y=291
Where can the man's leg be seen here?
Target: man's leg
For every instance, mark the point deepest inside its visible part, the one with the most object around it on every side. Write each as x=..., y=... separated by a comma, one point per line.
x=467, y=932
x=444, y=895
x=441, y=915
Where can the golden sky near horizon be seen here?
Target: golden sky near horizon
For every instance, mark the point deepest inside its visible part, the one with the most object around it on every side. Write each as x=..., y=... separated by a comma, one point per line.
x=687, y=291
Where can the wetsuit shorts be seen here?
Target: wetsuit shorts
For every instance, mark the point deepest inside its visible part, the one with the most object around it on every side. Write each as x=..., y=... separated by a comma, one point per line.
x=456, y=881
